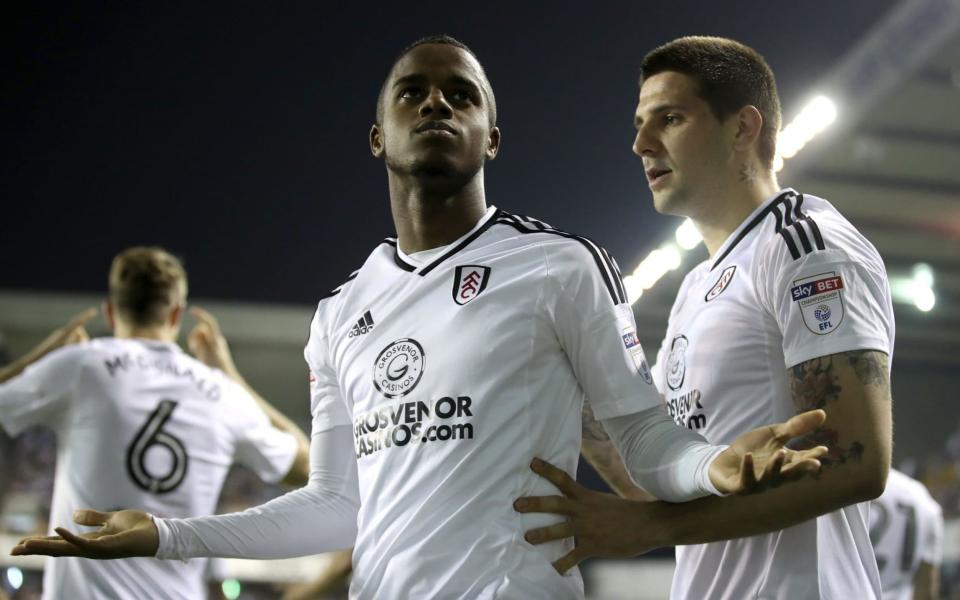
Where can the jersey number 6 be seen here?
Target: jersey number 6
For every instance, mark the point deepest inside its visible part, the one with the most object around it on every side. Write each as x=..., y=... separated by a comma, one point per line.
x=152, y=434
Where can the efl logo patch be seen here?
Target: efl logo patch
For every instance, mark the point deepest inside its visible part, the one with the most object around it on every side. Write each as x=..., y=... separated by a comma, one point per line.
x=721, y=283
x=468, y=282
x=632, y=343
x=820, y=300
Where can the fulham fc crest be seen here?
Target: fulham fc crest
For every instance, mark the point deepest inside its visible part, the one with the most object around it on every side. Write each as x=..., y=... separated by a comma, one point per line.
x=468, y=282
x=721, y=283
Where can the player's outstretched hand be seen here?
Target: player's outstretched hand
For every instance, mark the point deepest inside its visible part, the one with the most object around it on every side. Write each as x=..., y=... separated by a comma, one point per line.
x=122, y=534
x=207, y=343
x=759, y=459
x=601, y=524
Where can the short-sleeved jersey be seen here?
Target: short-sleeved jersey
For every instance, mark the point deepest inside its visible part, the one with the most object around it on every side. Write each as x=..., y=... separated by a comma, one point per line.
x=139, y=424
x=454, y=373
x=906, y=527
x=794, y=282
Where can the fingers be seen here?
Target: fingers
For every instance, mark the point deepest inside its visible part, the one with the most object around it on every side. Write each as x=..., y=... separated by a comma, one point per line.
x=748, y=477
x=800, y=469
x=90, y=517
x=568, y=561
x=773, y=468
x=557, y=477
x=544, y=504
x=199, y=336
x=549, y=534
x=205, y=318
x=801, y=424
x=45, y=547
x=80, y=319
x=72, y=538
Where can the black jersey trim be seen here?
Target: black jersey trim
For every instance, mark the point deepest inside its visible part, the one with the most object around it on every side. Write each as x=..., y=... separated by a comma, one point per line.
x=396, y=256
x=609, y=270
x=466, y=242
x=463, y=244
x=804, y=239
x=790, y=222
x=817, y=237
x=771, y=208
x=792, y=227
x=339, y=288
x=352, y=276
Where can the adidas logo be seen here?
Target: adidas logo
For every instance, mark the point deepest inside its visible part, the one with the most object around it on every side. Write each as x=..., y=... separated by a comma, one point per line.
x=363, y=325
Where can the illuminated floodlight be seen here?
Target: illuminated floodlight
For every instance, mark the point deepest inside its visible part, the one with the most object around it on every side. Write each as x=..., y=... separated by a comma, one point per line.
x=231, y=589
x=923, y=274
x=815, y=117
x=924, y=299
x=665, y=258
x=633, y=287
x=916, y=289
x=15, y=577
x=687, y=235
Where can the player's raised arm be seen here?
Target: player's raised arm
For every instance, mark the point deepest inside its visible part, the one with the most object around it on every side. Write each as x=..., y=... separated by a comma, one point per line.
x=71, y=333
x=209, y=345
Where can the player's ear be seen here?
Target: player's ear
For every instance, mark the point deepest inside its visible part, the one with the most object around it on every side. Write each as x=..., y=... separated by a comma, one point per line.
x=493, y=143
x=376, y=140
x=176, y=314
x=749, y=122
x=106, y=307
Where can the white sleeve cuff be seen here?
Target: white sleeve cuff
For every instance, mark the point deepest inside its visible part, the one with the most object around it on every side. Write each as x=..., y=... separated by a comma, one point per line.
x=705, y=482
x=166, y=546
x=669, y=461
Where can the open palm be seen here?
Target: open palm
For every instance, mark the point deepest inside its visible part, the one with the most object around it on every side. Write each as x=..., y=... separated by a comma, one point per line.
x=122, y=534
x=759, y=459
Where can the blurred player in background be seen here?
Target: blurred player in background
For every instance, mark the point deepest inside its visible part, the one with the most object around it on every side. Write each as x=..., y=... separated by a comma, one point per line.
x=140, y=423
x=792, y=311
x=906, y=528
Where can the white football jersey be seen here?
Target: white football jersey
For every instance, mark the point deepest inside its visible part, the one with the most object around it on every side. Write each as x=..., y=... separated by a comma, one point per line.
x=906, y=527
x=794, y=282
x=139, y=424
x=455, y=367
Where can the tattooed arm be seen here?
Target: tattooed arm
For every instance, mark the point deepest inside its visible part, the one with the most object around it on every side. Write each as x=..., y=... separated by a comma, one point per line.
x=604, y=458
x=853, y=387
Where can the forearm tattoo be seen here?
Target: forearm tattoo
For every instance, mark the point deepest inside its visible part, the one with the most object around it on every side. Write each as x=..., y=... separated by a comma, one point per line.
x=814, y=384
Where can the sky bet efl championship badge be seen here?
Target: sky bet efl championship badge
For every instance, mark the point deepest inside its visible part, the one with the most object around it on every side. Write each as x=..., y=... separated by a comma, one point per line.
x=468, y=282
x=632, y=343
x=821, y=301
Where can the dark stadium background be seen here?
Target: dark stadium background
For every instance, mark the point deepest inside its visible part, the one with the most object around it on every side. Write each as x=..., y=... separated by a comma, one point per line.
x=236, y=134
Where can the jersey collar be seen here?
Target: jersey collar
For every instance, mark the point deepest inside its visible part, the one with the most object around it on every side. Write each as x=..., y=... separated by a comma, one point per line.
x=407, y=264
x=751, y=222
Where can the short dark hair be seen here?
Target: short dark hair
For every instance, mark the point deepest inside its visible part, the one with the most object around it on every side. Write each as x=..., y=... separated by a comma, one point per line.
x=145, y=282
x=729, y=76
x=449, y=41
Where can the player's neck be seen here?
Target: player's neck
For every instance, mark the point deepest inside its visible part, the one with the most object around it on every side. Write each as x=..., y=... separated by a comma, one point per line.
x=430, y=214
x=160, y=334
x=728, y=209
